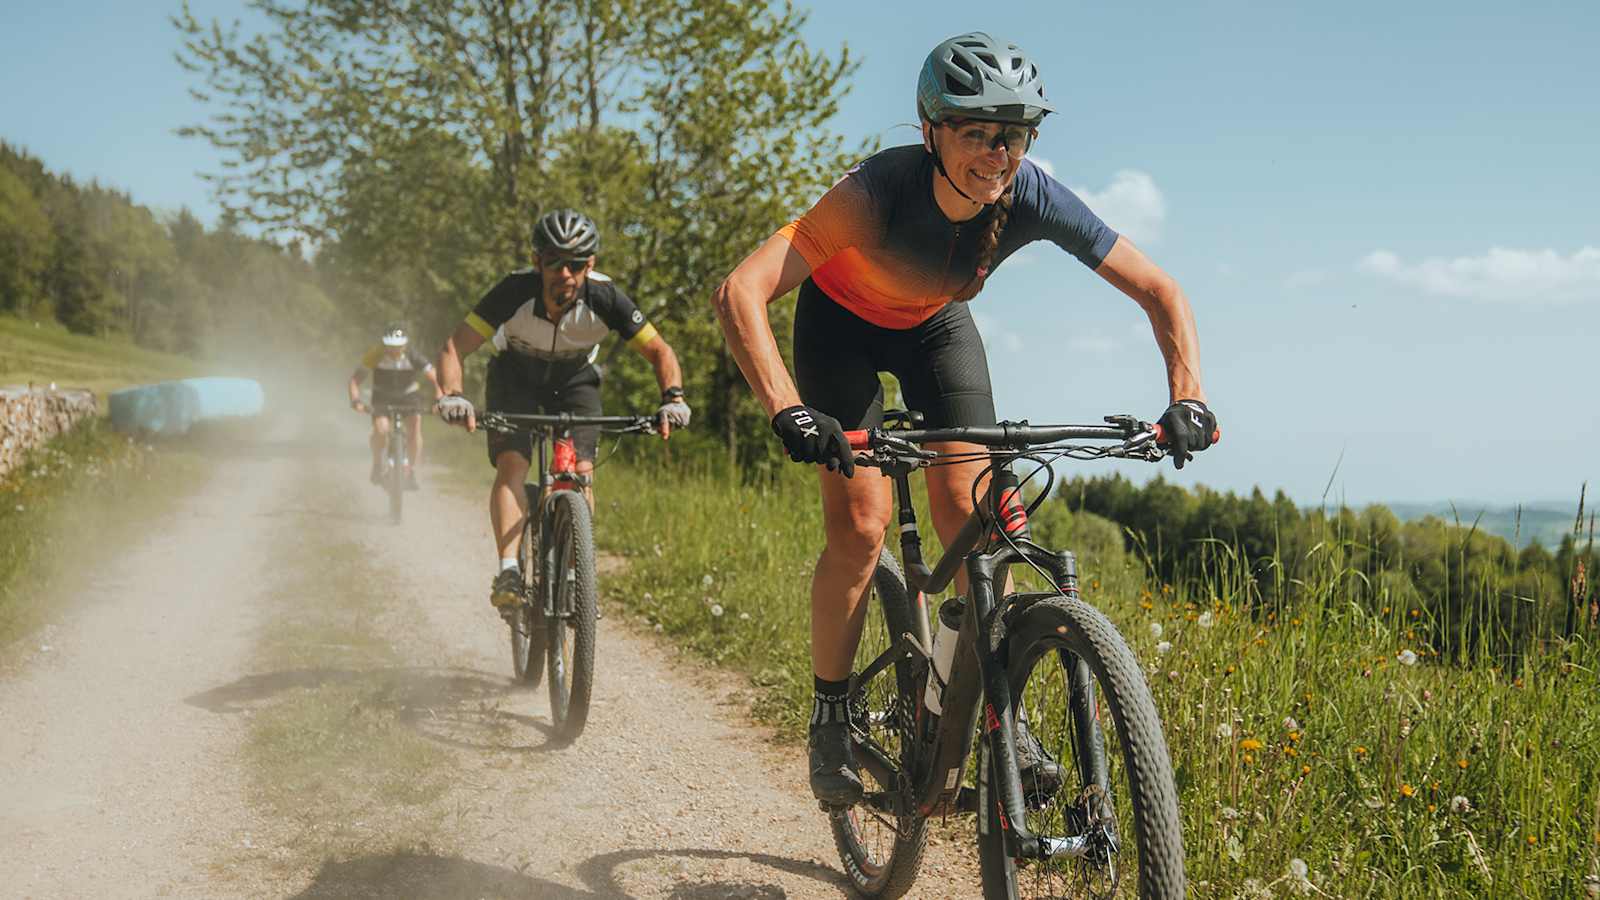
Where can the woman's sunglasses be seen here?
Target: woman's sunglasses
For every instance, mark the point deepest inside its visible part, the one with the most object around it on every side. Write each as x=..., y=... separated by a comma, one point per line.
x=974, y=137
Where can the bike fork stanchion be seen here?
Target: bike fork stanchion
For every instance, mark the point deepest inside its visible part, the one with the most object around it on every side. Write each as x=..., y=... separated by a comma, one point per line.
x=998, y=728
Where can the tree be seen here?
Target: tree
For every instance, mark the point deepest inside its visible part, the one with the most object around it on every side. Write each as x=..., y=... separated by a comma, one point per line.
x=433, y=130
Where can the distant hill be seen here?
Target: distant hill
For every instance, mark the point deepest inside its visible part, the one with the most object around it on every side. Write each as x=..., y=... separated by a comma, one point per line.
x=1544, y=522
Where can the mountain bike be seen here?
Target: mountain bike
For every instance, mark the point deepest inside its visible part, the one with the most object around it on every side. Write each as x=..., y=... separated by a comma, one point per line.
x=395, y=463
x=1032, y=663
x=560, y=600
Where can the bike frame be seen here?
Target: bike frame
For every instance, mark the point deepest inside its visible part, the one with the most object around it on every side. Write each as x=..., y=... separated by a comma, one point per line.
x=978, y=676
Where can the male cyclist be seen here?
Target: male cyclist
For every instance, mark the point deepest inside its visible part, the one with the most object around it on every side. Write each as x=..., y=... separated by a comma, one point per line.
x=396, y=370
x=549, y=320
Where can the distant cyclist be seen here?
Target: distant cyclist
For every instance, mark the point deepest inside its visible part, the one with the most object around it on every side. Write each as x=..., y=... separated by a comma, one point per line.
x=547, y=322
x=398, y=371
x=879, y=260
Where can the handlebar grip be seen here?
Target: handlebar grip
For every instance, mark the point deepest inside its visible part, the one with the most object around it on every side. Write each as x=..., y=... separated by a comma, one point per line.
x=858, y=439
x=1161, y=435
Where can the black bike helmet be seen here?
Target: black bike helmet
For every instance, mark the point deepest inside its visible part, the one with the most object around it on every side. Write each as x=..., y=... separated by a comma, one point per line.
x=566, y=232
x=976, y=76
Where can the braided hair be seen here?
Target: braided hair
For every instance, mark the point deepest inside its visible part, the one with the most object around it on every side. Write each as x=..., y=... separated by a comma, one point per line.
x=987, y=245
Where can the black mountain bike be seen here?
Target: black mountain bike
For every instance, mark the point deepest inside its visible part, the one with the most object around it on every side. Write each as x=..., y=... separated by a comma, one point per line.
x=1037, y=663
x=560, y=600
x=394, y=455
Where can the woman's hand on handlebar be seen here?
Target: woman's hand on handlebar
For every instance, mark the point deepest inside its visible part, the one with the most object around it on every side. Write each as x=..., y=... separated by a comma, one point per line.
x=1186, y=428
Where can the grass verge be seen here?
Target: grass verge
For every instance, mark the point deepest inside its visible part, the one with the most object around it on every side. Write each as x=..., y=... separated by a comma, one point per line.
x=88, y=489
x=1324, y=734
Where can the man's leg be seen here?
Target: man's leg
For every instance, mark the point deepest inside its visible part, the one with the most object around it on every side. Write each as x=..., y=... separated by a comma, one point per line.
x=506, y=514
x=378, y=441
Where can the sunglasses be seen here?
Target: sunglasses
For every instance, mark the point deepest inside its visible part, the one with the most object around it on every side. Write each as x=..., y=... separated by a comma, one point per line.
x=975, y=138
x=566, y=265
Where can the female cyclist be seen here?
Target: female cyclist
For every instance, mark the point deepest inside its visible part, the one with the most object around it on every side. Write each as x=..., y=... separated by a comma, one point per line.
x=879, y=260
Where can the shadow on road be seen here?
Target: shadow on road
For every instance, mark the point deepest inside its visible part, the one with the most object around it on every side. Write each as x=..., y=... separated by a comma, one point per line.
x=461, y=708
x=430, y=877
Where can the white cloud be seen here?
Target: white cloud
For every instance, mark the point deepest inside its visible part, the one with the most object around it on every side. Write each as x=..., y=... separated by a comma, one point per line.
x=1500, y=274
x=1131, y=203
x=1045, y=164
x=996, y=337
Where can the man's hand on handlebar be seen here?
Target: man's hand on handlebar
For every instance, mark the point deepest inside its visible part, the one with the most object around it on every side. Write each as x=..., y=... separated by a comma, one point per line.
x=455, y=409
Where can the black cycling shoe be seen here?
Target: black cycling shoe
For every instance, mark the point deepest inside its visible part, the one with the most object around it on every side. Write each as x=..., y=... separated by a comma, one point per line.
x=1040, y=773
x=506, y=591
x=833, y=778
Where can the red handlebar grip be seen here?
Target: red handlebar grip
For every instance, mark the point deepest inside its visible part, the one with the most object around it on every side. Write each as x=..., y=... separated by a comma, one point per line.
x=1161, y=435
x=857, y=439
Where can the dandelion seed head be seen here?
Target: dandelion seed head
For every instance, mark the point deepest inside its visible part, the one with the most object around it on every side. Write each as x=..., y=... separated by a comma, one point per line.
x=1298, y=869
x=716, y=609
x=705, y=580
x=1155, y=630
x=1460, y=804
x=1225, y=731
x=1406, y=658
x=1164, y=647
x=1206, y=619
x=1289, y=724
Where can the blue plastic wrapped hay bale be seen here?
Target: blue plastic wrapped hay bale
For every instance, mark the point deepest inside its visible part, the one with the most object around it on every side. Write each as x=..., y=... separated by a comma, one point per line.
x=173, y=407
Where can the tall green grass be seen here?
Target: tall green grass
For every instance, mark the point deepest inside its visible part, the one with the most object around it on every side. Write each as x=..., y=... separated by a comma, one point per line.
x=1323, y=730
x=44, y=352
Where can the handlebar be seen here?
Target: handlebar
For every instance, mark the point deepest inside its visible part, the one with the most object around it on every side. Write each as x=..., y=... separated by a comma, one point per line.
x=1017, y=435
x=514, y=422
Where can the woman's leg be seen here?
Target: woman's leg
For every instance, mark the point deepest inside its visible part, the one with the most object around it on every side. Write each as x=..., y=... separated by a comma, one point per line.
x=855, y=512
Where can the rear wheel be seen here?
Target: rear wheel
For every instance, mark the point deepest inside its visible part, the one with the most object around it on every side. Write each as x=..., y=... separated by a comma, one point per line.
x=881, y=839
x=570, y=555
x=1117, y=781
x=529, y=631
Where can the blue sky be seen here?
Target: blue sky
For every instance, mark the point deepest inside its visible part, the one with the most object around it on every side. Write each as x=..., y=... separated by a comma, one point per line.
x=1384, y=215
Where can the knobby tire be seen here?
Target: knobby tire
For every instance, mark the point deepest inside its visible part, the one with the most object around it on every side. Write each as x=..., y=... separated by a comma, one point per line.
x=882, y=853
x=1039, y=628
x=570, y=559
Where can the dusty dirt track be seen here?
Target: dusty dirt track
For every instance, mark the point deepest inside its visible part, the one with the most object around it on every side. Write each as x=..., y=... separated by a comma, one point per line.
x=130, y=734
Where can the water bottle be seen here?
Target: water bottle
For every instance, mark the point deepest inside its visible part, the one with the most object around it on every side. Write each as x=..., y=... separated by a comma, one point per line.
x=944, y=652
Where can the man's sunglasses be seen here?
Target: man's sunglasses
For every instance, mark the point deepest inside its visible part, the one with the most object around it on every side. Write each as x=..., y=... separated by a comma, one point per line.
x=974, y=137
x=567, y=265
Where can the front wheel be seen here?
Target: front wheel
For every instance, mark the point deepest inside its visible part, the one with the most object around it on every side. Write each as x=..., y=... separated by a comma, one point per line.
x=1105, y=796
x=571, y=585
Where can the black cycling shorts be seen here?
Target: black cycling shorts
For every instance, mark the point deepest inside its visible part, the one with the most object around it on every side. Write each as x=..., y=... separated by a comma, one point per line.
x=941, y=365
x=511, y=388
x=412, y=401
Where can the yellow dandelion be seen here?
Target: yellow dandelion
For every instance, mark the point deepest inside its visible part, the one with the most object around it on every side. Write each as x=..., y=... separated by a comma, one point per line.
x=1147, y=605
x=1294, y=621
x=1407, y=790
x=1306, y=770
x=1229, y=670
x=1461, y=764
x=1250, y=744
x=1386, y=610
x=1415, y=613
x=1360, y=750
x=1248, y=759
x=1432, y=807
x=1533, y=839
x=1290, y=751
x=1294, y=736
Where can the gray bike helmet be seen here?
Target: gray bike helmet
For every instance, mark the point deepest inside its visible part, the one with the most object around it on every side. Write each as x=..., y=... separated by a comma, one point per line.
x=976, y=76
x=566, y=232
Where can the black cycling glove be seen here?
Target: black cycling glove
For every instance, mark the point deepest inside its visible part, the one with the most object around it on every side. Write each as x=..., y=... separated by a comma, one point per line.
x=814, y=437
x=1188, y=427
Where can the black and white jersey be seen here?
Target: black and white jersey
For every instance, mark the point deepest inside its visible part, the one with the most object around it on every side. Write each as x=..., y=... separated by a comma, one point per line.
x=512, y=316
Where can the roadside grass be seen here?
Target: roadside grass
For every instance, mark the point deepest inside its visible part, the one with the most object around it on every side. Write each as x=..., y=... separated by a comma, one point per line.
x=330, y=754
x=1322, y=731
x=74, y=500
x=45, y=352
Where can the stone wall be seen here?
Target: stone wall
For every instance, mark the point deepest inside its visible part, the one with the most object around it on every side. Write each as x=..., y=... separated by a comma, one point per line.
x=31, y=416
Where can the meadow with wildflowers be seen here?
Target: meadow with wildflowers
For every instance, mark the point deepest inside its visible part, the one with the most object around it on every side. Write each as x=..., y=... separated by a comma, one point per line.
x=1325, y=744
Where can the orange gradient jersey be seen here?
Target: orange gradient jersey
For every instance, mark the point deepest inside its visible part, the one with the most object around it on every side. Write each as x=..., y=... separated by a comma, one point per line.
x=879, y=245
